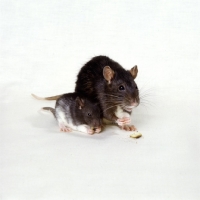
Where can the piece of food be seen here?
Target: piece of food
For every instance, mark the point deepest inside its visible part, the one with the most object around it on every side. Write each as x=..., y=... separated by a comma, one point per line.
x=135, y=134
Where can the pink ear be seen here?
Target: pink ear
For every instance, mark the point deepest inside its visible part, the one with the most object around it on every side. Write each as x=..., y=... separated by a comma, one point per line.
x=134, y=71
x=108, y=73
x=80, y=102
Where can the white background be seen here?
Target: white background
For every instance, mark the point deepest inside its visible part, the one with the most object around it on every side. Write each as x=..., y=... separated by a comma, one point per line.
x=43, y=44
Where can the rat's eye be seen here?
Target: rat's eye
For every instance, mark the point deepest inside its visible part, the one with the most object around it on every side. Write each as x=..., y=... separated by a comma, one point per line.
x=136, y=87
x=121, y=87
x=89, y=115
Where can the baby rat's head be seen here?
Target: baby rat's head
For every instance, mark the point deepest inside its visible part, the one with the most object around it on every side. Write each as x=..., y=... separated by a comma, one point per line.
x=90, y=113
x=120, y=87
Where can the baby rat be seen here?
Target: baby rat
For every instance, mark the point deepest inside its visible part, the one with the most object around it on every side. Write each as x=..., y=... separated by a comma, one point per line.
x=77, y=113
x=106, y=82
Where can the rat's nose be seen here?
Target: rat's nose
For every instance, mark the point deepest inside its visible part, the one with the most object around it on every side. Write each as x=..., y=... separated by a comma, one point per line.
x=97, y=123
x=134, y=104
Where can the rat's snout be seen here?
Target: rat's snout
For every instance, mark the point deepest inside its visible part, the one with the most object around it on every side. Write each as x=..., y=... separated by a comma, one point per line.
x=135, y=102
x=134, y=99
x=97, y=126
x=97, y=123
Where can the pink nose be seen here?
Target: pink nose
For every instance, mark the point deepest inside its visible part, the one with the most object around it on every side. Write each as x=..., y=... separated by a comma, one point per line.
x=134, y=104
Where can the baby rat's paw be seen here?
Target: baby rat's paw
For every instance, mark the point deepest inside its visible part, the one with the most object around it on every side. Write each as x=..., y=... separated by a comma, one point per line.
x=97, y=130
x=123, y=121
x=128, y=128
x=90, y=131
x=64, y=128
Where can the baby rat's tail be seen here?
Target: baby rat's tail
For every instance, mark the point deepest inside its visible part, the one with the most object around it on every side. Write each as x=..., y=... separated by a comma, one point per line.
x=49, y=109
x=47, y=98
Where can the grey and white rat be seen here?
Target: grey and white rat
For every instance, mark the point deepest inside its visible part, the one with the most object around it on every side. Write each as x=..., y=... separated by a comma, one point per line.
x=107, y=83
x=74, y=112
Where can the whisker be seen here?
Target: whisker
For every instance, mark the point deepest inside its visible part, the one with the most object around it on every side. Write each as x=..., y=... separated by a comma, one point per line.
x=109, y=108
x=111, y=95
x=147, y=103
x=146, y=87
x=143, y=105
x=146, y=95
x=111, y=102
x=146, y=98
x=147, y=92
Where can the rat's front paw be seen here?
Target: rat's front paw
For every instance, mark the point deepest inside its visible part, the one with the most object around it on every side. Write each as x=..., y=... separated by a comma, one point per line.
x=123, y=121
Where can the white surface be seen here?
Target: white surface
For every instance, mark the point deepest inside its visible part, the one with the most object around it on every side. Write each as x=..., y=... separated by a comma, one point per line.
x=43, y=46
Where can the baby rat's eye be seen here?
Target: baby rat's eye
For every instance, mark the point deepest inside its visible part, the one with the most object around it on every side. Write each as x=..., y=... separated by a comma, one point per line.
x=136, y=87
x=89, y=114
x=121, y=87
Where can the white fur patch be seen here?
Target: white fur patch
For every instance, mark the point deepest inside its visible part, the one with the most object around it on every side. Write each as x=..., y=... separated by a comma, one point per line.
x=120, y=113
x=65, y=119
x=83, y=128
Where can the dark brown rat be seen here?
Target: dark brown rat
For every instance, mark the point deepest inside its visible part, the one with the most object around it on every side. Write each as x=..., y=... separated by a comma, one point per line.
x=74, y=112
x=106, y=82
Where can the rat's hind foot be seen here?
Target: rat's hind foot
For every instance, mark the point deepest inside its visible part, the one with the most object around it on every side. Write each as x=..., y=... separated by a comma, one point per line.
x=128, y=128
x=64, y=128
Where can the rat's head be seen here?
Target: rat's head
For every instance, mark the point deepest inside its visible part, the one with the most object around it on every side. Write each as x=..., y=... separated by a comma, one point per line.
x=121, y=88
x=90, y=112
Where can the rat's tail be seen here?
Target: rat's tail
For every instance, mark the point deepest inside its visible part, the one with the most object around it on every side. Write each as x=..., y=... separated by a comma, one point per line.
x=49, y=109
x=47, y=98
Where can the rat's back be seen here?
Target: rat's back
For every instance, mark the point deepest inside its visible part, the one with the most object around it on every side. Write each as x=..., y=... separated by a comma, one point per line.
x=91, y=75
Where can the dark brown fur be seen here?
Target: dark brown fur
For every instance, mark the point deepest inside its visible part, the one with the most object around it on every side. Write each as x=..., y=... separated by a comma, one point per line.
x=92, y=83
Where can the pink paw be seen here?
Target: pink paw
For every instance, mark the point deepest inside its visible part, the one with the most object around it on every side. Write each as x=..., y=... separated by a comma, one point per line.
x=90, y=131
x=64, y=128
x=123, y=121
x=97, y=130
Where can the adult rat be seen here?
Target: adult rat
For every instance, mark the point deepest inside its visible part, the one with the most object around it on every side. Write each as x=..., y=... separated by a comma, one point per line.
x=77, y=113
x=106, y=82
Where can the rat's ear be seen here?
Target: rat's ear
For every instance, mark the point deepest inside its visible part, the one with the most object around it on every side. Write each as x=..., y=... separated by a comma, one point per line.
x=80, y=102
x=108, y=73
x=134, y=71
